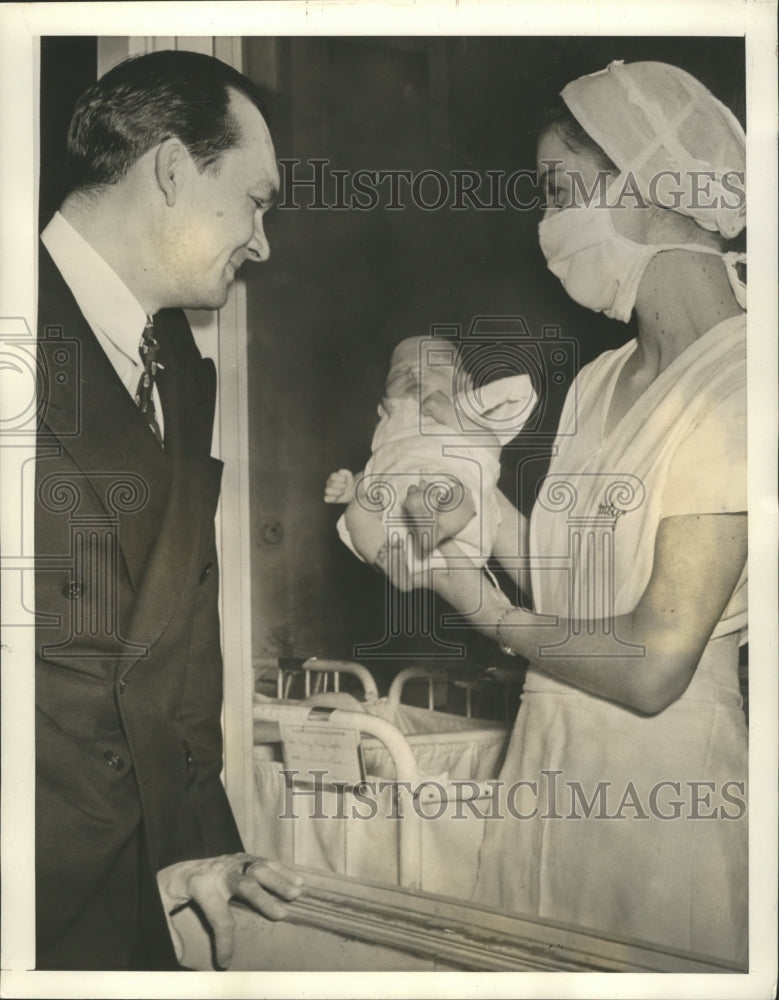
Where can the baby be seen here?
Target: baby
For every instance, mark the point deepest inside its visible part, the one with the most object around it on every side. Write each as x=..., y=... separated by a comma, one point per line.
x=441, y=436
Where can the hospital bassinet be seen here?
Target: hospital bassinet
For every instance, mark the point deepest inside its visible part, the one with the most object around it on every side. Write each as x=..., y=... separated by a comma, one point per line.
x=378, y=790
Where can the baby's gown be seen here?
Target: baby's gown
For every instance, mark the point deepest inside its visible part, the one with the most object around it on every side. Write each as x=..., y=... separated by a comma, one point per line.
x=632, y=870
x=408, y=446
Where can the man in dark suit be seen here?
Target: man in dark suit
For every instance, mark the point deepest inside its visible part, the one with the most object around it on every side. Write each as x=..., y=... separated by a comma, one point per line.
x=171, y=169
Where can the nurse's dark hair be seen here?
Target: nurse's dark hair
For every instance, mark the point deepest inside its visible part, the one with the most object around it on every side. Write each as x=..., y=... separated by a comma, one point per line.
x=558, y=117
x=143, y=101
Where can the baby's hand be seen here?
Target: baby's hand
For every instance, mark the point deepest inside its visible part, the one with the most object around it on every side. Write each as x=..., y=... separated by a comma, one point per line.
x=339, y=487
x=438, y=406
x=444, y=411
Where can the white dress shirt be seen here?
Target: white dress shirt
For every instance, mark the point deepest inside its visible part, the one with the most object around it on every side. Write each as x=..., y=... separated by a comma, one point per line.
x=116, y=317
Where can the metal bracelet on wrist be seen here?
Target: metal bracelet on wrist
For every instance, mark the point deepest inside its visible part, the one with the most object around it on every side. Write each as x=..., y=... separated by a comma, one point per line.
x=504, y=648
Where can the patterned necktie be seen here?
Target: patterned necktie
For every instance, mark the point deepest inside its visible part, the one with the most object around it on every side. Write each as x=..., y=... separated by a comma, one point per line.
x=144, y=399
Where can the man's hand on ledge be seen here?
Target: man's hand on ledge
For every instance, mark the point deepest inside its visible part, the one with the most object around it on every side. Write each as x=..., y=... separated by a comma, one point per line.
x=213, y=882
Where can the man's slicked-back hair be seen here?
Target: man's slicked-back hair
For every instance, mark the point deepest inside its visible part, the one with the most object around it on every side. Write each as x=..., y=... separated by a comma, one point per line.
x=143, y=101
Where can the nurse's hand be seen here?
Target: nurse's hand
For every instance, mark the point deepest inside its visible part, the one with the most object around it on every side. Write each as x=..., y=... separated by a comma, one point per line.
x=452, y=576
x=213, y=882
x=469, y=591
x=437, y=511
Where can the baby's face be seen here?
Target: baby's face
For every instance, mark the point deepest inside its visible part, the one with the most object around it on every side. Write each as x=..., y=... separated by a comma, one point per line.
x=404, y=374
x=410, y=375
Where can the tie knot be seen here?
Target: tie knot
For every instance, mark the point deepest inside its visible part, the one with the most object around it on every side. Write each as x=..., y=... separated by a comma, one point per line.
x=149, y=348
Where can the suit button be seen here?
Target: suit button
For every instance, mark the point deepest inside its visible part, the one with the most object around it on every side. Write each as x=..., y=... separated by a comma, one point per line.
x=187, y=756
x=114, y=760
x=206, y=572
x=73, y=589
x=122, y=686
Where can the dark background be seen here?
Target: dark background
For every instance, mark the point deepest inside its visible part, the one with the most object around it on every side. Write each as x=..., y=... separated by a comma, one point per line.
x=343, y=287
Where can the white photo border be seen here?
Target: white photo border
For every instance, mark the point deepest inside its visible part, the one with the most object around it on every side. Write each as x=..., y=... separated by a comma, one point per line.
x=21, y=26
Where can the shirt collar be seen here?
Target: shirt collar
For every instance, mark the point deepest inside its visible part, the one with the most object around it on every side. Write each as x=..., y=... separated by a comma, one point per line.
x=104, y=299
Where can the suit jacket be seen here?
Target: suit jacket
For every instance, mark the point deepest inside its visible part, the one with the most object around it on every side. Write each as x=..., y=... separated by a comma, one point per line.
x=128, y=661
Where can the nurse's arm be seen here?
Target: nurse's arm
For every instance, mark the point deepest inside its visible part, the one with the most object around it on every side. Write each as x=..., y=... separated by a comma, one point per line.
x=511, y=544
x=697, y=563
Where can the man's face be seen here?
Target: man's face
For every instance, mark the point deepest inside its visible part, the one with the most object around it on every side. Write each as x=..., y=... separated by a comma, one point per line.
x=219, y=215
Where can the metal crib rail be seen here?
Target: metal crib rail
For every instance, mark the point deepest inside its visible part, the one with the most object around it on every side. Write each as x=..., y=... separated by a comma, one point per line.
x=407, y=773
x=264, y=665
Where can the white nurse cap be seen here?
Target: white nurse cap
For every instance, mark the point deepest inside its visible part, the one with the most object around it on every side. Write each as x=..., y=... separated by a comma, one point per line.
x=685, y=149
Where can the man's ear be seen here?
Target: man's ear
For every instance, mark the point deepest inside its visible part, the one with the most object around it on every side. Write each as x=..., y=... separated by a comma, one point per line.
x=172, y=156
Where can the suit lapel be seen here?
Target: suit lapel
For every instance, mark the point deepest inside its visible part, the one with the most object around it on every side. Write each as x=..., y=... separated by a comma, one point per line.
x=86, y=409
x=111, y=443
x=187, y=389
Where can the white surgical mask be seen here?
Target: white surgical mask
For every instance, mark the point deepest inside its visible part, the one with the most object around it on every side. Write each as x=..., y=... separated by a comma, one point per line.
x=601, y=269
